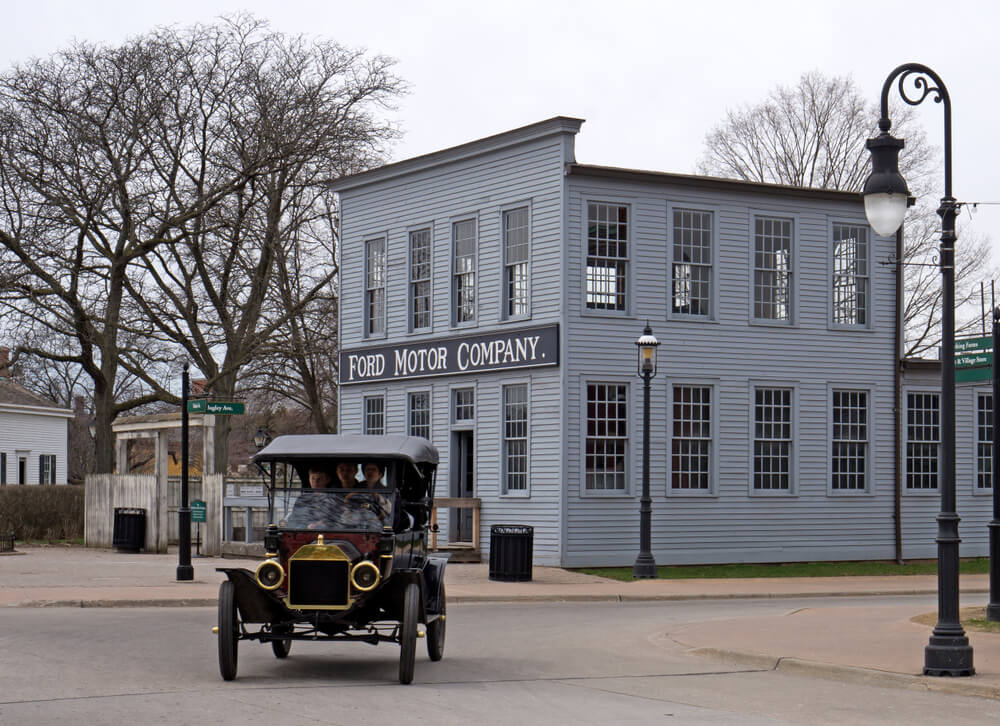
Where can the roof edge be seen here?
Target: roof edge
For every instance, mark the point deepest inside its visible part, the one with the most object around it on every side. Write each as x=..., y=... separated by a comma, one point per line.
x=513, y=137
x=708, y=182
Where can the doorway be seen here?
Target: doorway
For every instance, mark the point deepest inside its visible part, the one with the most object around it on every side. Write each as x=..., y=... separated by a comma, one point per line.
x=462, y=484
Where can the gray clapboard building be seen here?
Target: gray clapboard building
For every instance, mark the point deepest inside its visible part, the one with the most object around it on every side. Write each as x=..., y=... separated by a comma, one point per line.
x=491, y=297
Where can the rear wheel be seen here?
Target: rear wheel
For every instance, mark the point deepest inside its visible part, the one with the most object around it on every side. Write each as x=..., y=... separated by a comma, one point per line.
x=408, y=632
x=228, y=631
x=436, y=630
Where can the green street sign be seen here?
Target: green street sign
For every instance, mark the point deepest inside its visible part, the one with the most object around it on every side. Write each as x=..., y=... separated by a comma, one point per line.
x=217, y=408
x=968, y=345
x=974, y=360
x=969, y=375
x=198, y=511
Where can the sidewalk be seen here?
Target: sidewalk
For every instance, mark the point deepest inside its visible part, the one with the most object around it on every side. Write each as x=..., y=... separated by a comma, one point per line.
x=878, y=644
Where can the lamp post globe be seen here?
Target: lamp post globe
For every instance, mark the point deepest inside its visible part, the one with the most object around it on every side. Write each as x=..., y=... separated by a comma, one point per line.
x=948, y=653
x=645, y=565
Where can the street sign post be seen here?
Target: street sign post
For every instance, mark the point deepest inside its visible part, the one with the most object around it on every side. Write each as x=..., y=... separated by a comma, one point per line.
x=198, y=511
x=974, y=359
x=217, y=408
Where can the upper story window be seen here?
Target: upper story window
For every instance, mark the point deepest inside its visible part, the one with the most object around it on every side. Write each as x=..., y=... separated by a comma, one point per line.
x=772, y=442
x=772, y=269
x=849, y=449
x=850, y=275
x=420, y=279
x=691, y=439
x=607, y=436
x=984, y=441
x=923, y=440
x=375, y=415
x=375, y=286
x=607, y=256
x=419, y=414
x=463, y=236
x=516, y=252
x=691, y=271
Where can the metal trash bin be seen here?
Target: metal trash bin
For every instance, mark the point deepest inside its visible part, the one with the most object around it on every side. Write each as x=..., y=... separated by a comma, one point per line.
x=129, y=533
x=511, y=550
x=7, y=542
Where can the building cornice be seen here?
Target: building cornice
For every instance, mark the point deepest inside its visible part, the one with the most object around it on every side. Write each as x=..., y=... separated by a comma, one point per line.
x=36, y=410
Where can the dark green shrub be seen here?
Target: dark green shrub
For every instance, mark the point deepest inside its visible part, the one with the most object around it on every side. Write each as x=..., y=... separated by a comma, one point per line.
x=42, y=512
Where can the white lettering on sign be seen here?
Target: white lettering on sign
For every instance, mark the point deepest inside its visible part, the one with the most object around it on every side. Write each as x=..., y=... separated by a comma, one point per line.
x=420, y=360
x=366, y=365
x=496, y=352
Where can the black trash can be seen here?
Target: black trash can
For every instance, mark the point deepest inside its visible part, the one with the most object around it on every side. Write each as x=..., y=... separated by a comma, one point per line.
x=129, y=533
x=511, y=552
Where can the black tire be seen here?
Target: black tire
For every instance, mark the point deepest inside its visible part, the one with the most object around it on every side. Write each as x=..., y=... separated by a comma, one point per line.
x=408, y=632
x=436, y=631
x=229, y=631
x=281, y=648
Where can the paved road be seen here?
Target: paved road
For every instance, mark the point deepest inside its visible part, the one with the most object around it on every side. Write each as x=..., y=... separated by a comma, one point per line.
x=515, y=665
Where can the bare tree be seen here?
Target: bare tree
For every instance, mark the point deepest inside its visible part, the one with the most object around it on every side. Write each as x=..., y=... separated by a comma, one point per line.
x=813, y=135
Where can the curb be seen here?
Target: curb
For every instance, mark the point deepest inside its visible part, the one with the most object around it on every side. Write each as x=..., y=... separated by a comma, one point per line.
x=852, y=674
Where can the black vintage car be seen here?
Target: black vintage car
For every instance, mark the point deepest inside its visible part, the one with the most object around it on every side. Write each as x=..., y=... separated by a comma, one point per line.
x=346, y=550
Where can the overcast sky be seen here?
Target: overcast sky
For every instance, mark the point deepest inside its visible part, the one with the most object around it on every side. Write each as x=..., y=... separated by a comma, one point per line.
x=650, y=78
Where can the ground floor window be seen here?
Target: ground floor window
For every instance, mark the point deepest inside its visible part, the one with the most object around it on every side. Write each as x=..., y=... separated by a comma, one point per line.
x=515, y=438
x=691, y=440
x=923, y=440
x=984, y=441
x=849, y=448
x=772, y=442
x=47, y=469
x=375, y=415
x=419, y=414
x=607, y=436
x=3, y=469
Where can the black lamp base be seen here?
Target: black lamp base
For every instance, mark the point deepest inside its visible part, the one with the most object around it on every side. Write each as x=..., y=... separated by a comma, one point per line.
x=644, y=567
x=948, y=656
x=184, y=573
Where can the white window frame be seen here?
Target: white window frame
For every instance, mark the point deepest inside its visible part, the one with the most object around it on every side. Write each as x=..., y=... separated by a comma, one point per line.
x=505, y=299
x=625, y=311
x=922, y=492
x=453, y=277
x=793, y=451
x=464, y=423
x=871, y=424
x=713, y=455
x=430, y=411
x=367, y=318
x=793, y=271
x=410, y=299
x=713, y=277
x=977, y=441
x=625, y=492
x=505, y=492
x=831, y=277
x=46, y=468
x=364, y=413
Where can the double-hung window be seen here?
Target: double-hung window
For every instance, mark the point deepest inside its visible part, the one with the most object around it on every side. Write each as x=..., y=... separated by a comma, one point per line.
x=849, y=447
x=691, y=270
x=984, y=441
x=420, y=279
x=607, y=256
x=419, y=414
x=47, y=469
x=464, y=400
x=515, y=438
x=772, y=269
x=463, y=236
x=516, y=251
x=607, y=437
x=772, y=443
x=375, y=415
x=375, y=287
x=923, y=440
x=850, y=275
x=691, y=439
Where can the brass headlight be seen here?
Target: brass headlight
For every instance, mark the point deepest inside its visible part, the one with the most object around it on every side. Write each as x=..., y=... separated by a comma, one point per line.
x=365, y=576
x=270, y=574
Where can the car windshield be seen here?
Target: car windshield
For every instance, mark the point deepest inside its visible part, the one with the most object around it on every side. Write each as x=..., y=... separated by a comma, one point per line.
x=343, y=495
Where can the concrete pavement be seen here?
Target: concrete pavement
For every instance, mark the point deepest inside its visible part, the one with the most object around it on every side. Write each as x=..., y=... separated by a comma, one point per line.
x=831, y=638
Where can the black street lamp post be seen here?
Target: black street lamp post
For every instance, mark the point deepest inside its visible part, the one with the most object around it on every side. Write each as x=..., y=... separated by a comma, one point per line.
x=184, y=569
x=645, y=565
x=886, y=197
x=993, y=608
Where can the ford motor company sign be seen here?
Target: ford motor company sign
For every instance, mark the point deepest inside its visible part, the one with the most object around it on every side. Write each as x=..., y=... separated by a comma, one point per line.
x=525, y=348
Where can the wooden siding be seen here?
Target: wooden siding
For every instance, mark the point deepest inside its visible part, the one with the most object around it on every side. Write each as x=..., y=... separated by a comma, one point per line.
x=731, y=354
x=106, y=492
x=34, y=434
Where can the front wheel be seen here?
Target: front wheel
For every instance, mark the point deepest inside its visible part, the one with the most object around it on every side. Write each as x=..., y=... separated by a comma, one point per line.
x=408, y=632
x=281, y=648
x=436, y=630
x=228, y=631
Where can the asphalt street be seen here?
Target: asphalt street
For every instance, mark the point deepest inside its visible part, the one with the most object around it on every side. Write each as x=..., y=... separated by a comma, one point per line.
x=510, y=664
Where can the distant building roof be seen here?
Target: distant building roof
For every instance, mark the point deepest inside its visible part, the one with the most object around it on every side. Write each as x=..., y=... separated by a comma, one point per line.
x=12, y=394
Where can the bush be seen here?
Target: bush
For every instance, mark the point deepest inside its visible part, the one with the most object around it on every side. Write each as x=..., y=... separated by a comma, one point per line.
x=42, y=512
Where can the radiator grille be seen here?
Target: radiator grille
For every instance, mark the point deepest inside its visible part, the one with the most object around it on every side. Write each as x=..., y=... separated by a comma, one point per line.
x=318, y=583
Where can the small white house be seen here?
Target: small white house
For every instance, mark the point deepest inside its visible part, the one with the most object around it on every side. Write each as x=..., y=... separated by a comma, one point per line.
x=34, y=436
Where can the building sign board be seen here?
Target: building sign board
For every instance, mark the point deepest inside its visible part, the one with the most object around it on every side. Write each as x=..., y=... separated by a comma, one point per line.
x=499, y=350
